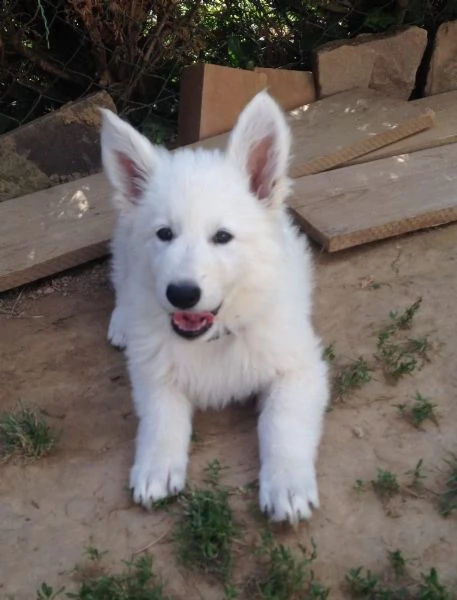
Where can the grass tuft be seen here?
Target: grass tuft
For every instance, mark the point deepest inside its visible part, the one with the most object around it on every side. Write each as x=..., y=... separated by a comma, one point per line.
x=206, y=528
x=417, y=474
x=329, y=353
x=404, y=320
x=401, y=355
x=397, y=562
x=431, y=588
x=366, y=585
x=448, y=498
x=352, y=376
x=286, y=577
x=360, y=584
x=386, y=483
x=137, y=582
x=419, y=411
x=26, y=434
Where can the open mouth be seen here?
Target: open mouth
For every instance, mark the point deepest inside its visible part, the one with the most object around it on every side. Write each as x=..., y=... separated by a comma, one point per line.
x=191, y=325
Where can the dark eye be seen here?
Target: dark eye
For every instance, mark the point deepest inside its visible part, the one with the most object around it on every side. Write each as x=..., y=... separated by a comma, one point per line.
x=222, y=237
x=165, y=234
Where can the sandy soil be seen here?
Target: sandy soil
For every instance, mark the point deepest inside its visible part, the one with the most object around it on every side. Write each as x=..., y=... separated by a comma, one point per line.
x=53, y=353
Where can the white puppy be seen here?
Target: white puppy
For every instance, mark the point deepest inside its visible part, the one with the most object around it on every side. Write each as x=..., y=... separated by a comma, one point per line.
x=213, y=290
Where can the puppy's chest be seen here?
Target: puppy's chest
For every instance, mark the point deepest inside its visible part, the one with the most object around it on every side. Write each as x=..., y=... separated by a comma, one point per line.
x=214, y=373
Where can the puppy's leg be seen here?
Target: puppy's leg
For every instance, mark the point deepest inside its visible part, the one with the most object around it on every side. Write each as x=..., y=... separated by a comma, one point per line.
x=162, y=444
x=290, y=426
x=119, y=279
x=116, y=328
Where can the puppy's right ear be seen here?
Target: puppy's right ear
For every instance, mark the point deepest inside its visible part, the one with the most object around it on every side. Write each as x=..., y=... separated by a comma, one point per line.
x=128, y=159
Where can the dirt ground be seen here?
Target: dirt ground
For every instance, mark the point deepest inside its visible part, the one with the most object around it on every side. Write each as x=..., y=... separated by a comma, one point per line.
x=54, y=353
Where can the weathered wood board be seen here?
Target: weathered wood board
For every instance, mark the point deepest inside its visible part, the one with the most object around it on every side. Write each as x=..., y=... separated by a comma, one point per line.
x=443, y=132
x=289, y=88
x=211, y=98
x=64, y=226
x=333, y=131
x=391, y=196
x=53, y=230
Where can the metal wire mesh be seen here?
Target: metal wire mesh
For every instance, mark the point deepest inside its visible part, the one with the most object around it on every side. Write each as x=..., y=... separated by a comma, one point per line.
x=55, y=51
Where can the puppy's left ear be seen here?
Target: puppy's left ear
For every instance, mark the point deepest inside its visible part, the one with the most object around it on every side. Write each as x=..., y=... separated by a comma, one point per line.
x=260, y=145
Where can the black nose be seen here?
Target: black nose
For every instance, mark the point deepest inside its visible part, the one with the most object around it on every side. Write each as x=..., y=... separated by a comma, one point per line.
x=183, y=295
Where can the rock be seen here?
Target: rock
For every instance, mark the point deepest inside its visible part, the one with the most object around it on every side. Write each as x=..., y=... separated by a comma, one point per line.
x=442, y=73
x=60, y=146
x=387, y=63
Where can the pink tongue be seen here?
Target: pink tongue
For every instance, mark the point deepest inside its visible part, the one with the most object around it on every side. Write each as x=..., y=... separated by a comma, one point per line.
x=189, y=321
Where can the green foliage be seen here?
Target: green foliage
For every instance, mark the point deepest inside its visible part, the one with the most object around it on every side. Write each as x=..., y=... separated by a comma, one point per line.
x=352, y=376
x=400, y=355
x=329, y=353
x=136, y=51
x=286, y=577
x=366, y=585
x=448, y=498
x=386, y=483
x=25, y=433
x=206, y=528
x=418, y=411
x=136, y=582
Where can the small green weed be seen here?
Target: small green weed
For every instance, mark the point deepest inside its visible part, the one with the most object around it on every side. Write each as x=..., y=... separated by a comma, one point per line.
x=206, y=528
x=417, y=474
x=431, y=588
x=418, y=412
x=329, y=353
x=359, y=485
x=404, y=320
x=25, y=433
x=397, y=562
x=352, y=376
x=360, y=584
x=213, y=470
x=285, y=576
x=397, y=359
x=386, y=483
x=448, y=498
x=401, y=356
x=137, y=582
x=46, y=592
x=366, y=585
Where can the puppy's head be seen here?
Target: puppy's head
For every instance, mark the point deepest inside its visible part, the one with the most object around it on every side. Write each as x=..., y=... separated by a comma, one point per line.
x=203, y=221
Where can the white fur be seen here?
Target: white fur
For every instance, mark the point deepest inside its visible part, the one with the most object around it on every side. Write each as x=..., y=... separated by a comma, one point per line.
x=262, y=279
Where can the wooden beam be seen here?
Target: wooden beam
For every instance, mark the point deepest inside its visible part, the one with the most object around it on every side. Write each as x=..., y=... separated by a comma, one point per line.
x=212, y=97
x=377, y=200
x=53, y=230
x=444, y=130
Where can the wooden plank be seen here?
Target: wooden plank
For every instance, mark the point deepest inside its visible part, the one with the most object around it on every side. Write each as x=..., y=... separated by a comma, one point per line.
x=392, y=196
x=291, y=89
x=53, y=230
x=330, y=132
x=61, y=146
x=365, y=145
x=62, y=227
x=212, y=97
x=443, y=132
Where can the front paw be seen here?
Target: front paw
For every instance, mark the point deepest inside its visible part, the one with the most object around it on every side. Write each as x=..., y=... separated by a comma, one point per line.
x=116, y=330
x=288, y=490
x=152, y=480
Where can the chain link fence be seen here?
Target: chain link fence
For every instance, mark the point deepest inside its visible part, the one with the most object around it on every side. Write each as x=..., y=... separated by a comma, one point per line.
x=55, y=51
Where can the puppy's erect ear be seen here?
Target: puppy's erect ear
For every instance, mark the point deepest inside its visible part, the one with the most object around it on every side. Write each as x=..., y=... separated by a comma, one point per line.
x=260, y=145
x=128, y=159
